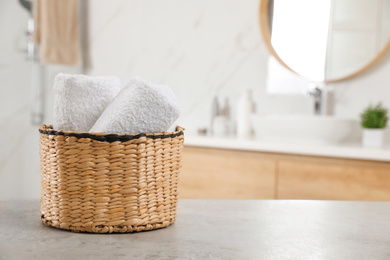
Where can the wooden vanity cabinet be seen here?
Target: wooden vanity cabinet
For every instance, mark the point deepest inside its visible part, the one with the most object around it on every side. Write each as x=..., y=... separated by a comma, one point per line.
x=226, y=174
x=210, y=173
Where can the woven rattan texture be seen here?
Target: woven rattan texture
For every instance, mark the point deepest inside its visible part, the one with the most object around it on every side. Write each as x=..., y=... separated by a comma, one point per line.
x=97, y=186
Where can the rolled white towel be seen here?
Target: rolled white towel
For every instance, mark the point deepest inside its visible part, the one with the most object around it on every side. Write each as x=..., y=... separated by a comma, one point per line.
x=172, y=128
x=79, y=100
x=140, y=107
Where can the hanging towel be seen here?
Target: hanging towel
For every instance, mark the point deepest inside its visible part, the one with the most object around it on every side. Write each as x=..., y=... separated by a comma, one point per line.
x=140, y=107
x=79, y=100
x=56, y=31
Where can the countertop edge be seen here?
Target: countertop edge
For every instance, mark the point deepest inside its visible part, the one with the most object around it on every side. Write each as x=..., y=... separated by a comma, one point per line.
x=347, y=151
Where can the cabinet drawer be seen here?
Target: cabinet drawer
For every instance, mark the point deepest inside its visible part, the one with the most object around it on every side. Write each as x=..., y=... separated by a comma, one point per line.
x=332, y=181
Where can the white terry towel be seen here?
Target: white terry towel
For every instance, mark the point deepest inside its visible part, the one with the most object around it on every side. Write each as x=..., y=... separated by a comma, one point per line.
x=140, y=107
x=79, y=100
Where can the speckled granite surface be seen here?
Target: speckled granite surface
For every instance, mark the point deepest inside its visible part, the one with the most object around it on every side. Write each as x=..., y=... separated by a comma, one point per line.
x=214, y=229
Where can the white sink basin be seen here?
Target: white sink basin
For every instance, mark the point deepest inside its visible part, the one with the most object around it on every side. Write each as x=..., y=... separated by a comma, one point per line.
x=304, y=128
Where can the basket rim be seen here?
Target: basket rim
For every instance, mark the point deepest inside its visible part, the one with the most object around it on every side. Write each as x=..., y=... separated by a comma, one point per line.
x=48, y=130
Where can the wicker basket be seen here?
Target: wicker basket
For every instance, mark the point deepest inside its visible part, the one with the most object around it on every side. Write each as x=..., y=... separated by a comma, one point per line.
x=103, y=183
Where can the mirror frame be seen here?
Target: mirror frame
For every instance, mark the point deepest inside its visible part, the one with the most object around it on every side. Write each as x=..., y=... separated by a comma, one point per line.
x=266, y=35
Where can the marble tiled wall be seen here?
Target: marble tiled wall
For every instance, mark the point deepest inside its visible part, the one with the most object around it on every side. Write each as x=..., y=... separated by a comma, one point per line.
x=206, y=48
x=200, y=48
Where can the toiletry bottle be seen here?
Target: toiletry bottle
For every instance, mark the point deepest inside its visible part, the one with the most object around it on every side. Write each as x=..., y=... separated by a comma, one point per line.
x=244, y=109
x=227, y=115
x=214, y=113
x=221, y=120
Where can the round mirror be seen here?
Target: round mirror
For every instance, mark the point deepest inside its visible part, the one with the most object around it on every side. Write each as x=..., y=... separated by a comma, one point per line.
x=326, y=40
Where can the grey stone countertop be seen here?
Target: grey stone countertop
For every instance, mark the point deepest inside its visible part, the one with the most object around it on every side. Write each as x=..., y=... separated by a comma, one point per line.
x=214, y=229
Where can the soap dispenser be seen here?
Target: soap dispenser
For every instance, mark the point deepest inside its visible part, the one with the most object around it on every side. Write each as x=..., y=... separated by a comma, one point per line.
x=245, y=107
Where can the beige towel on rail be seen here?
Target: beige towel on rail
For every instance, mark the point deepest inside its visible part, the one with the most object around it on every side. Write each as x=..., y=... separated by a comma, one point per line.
x=57, y=31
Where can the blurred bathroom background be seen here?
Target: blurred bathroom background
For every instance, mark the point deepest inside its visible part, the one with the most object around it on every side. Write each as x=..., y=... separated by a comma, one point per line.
x=206, y=51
